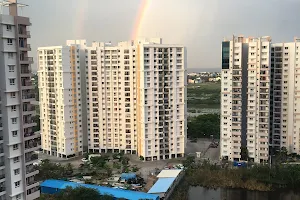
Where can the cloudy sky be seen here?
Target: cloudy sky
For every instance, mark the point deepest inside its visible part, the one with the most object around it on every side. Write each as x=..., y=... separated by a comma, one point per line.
x=200, y=25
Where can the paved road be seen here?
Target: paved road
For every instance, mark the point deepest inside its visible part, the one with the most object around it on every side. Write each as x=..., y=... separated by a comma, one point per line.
x=201, y=146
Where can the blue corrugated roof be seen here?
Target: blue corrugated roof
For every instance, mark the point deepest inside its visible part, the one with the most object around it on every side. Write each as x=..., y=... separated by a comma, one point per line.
x=118, y=193
x=161, y=185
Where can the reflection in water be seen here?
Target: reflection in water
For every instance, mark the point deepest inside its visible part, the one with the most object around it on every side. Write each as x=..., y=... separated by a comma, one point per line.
x=200, y=193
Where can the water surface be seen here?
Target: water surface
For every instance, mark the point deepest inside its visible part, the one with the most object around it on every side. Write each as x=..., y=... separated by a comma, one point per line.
x=200, y=193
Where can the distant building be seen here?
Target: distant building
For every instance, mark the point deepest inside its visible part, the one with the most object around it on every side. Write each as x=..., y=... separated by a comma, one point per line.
x=259, y=97
x=135, y=100
x=60, y=72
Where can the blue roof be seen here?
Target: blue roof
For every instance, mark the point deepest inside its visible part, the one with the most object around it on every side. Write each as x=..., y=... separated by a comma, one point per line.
x=118, y=193
x=162, y=185
x=127, y=176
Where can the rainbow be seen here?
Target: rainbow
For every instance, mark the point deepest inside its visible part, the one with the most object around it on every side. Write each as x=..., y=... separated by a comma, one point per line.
x=82, y=9
x=140, y=18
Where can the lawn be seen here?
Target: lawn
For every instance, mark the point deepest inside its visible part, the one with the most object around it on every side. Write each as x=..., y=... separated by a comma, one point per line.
x=204, y=95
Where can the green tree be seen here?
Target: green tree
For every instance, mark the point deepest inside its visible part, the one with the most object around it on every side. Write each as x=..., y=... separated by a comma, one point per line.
x=244, y=153
x=188, y=161
x=78, y=193
x=203, y=126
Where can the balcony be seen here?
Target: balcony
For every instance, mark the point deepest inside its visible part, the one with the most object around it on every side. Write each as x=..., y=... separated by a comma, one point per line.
x=24, y=34
x=32, y=145
x=28, y=97
x=25, y=72
x=27, y=84
x=25, y=47
x=28, y=123
x=26, y=60
x=28, y=110
x=31, y=183
x=31, y=135
x=31, y=158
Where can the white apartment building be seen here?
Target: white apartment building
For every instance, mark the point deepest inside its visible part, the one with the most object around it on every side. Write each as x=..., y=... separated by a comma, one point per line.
x=285, y=94
x=17, y=139
x=136, y=98
x=258, y=98
x=267, y=117
x=61, y=101
x=245, y=98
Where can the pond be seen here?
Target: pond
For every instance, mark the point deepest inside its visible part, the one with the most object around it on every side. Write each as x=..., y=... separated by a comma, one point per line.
x=200, y=193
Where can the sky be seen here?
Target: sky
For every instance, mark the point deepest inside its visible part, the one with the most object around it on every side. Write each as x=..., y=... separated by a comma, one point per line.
x=200, y=25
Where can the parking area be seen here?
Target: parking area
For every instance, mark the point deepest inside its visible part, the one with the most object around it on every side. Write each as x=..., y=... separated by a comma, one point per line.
x=201, y=145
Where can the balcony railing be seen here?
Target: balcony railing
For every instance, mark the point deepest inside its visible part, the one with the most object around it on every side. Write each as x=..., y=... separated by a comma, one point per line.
x=25, y=71
x=32, y=157
x=28, y=134
x=29, y=59
x=31, y=182
x=28, y=96
x=30, y=169
x=2, y=176
x=27, y=83
x=32, y=145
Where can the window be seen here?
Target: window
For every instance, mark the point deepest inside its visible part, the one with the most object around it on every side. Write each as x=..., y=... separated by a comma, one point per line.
x=9, y=41
x=8, y=27
x=14, y=120
x=12, y=81
x=11, y=68
x=13, y=108
x=15, y=146
x=14, y=133
x=13, y=95
x=17, y=171
x=17, y=184
x=10, y=55
x=18, y=197
x=16, y=159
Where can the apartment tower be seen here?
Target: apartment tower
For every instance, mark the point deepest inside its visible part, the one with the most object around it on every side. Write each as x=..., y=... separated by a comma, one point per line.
x=136, y=98
x=17, y=139
x=245, y=99
x=61, y=101
x=285, y=96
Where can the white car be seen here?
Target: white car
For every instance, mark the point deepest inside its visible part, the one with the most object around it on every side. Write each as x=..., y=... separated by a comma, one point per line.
x=37, y=163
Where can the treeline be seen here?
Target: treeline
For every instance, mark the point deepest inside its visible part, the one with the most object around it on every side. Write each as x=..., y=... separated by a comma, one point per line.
x=260, y=177
x=203, y=126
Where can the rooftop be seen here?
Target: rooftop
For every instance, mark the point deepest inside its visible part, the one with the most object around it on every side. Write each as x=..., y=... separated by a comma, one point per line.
x=117, y=193
x=162, y=185
x=169, y=173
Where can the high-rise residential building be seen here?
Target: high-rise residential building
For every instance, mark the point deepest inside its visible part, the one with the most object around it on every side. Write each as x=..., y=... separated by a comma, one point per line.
x=285, y=96
x=245, y=98
x=137, y=98
x=134, y=93
x=61, y=101
x=259, y=110
x=17, y=139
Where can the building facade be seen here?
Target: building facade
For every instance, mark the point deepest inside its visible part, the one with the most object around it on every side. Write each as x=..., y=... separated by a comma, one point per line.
x=137, y=98
x=134, y=93
x=17, y=139
x=259, y=98
x=61, y=102
x=285, y=94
